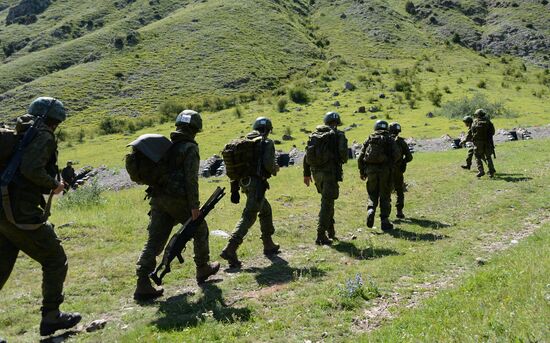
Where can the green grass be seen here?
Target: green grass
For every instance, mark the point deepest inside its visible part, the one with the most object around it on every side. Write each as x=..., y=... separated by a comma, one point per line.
x=454, y=218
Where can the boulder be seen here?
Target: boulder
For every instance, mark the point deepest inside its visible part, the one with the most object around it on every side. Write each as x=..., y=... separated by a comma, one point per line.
x=362, y=109
x=349, y=86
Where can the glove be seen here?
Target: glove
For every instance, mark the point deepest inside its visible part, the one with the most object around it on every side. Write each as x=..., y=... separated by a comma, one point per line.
x=235, y=197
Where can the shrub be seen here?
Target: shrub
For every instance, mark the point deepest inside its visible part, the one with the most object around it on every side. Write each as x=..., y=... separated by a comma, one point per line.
x=459, y=108
x=171, y=108
x=410, y=7
x=238, y=112
x=403, y=86
x=81, y=135
x=355, y=290
x=281, y=105
x=299, y=95
x=482, y=84
x=435, y=96
x=85, y=196
x=460, y=81
x=447, y=90
x=456, y=38
x=112, y=125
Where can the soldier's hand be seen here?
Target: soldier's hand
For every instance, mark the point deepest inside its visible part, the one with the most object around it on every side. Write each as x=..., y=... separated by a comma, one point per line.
x=307, y=180
x=195, y=213
x=59, y=188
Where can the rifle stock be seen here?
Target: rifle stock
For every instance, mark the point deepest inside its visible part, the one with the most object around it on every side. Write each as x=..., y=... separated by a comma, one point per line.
x=176, y=245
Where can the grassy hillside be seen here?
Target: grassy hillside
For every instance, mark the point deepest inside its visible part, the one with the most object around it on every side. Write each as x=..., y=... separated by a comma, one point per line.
x=454, y=219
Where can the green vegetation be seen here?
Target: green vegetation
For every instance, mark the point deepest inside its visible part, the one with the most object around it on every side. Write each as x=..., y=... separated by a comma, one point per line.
x=458, y=108
x=452, y=222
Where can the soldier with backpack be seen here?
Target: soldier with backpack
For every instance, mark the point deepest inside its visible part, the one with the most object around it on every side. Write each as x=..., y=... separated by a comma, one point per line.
x=483, y=131
x=326, y=151
x=28, y=173
x=376, y=161
x=468, y=121
x=171, y=171
x=400, y=167
x=250, y=162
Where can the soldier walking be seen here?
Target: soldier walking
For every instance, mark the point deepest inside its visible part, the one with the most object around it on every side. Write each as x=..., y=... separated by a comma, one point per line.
x=483, y=131
x=376, y=161
x=24, y=214
x=400, y=167
x=327, y=151
x=254, y=187
x=174, y=203
x=468, y=120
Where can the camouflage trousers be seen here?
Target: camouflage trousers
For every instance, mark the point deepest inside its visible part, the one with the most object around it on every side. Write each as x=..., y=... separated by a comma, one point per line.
x=483, y=153
x=163, y=217
x=256, y=206
x=328, y=187
x=43, y=246
x=399, y=188
x=470, y=156
x=379, y=186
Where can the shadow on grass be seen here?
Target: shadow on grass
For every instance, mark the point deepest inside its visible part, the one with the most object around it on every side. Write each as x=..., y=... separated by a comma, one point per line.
x=61, y=337
x=434, y=224
x=413, y=236
x=362, y=254
x=511, y=177
x=178, y=312
x=280, y=272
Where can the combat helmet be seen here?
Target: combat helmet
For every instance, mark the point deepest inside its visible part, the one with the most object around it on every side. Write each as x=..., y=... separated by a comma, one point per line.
x=395, y=128
x=480, y=113
x=468, y=119
x=263, y=125
x=191, y=119
x=49, y=108
x=381, y=125
x=332, y=117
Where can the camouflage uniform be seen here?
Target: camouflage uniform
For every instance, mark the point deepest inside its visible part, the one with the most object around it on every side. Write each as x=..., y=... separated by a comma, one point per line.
x=37, y=177
x=172, y=204
x=405, y=157
x=379, y=176
x=326, y=181
x=69, y=176
x=254, y=187
x=482, y=131
x=468, y=138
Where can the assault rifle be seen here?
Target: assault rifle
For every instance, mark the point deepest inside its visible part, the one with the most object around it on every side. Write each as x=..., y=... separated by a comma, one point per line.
x=176, y=245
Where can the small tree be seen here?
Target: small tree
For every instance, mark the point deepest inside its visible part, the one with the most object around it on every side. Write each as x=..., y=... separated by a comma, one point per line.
x=281, y=105
x=410, y=8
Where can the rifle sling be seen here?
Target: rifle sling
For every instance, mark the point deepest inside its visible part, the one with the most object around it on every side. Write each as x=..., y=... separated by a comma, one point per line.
x=6, y=205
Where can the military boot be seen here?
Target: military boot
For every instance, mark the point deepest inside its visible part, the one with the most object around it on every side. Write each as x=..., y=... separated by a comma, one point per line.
x=386, y=224
x=56, y=320
x=400, y=214
x=480, y=173
x=370, y=217
x=206, y=270
x=270, y=248
x=331, y=232
x=322, y=239
x=465, y=166
x=230, y=254
x=145, y=291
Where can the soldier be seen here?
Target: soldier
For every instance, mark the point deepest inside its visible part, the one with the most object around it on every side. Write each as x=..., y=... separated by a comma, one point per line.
x=326, y=171
x=169, y=209
x=405, y=157
x=68, y=174
x=377, y=158
x=468, y=120
x=254, y=187
x=482, y=136
x=24, y=213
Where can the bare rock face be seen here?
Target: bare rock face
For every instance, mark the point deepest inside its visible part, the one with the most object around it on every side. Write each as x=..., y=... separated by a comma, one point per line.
x=26, y=11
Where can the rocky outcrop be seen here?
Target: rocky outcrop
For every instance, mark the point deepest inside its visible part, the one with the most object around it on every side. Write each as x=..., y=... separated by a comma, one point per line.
x=26, y=11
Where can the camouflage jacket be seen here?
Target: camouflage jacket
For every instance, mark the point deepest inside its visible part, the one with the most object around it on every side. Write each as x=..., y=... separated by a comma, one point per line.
x=392, y=155
x=341, y=155
x=268, y=160
x=36, y=177
x=405, y=155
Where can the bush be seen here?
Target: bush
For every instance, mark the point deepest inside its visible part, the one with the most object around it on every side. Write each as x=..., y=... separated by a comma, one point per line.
x=459, y=108
x=112, y=125
x=482, y=84
x=403, y=86
x=410, y=7
x=456, y=38
x=85, y=196
x=238, y=112
x=356, y=290
x=299, y=95
x=435, y=96
x=281, y=105
x=171, y=108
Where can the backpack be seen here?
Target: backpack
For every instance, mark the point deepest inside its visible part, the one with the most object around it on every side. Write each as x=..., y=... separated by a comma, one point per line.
x=241, y=158
x=8, y=141
x=319, y=150
x=377, y=150
x=483, y=130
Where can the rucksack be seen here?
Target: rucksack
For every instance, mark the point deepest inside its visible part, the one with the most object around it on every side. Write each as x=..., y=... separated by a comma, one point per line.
x=241, y=157
x=377, y=150
x=144, y=171
x=483, y=130
x=320, y=146
x=8, y=141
